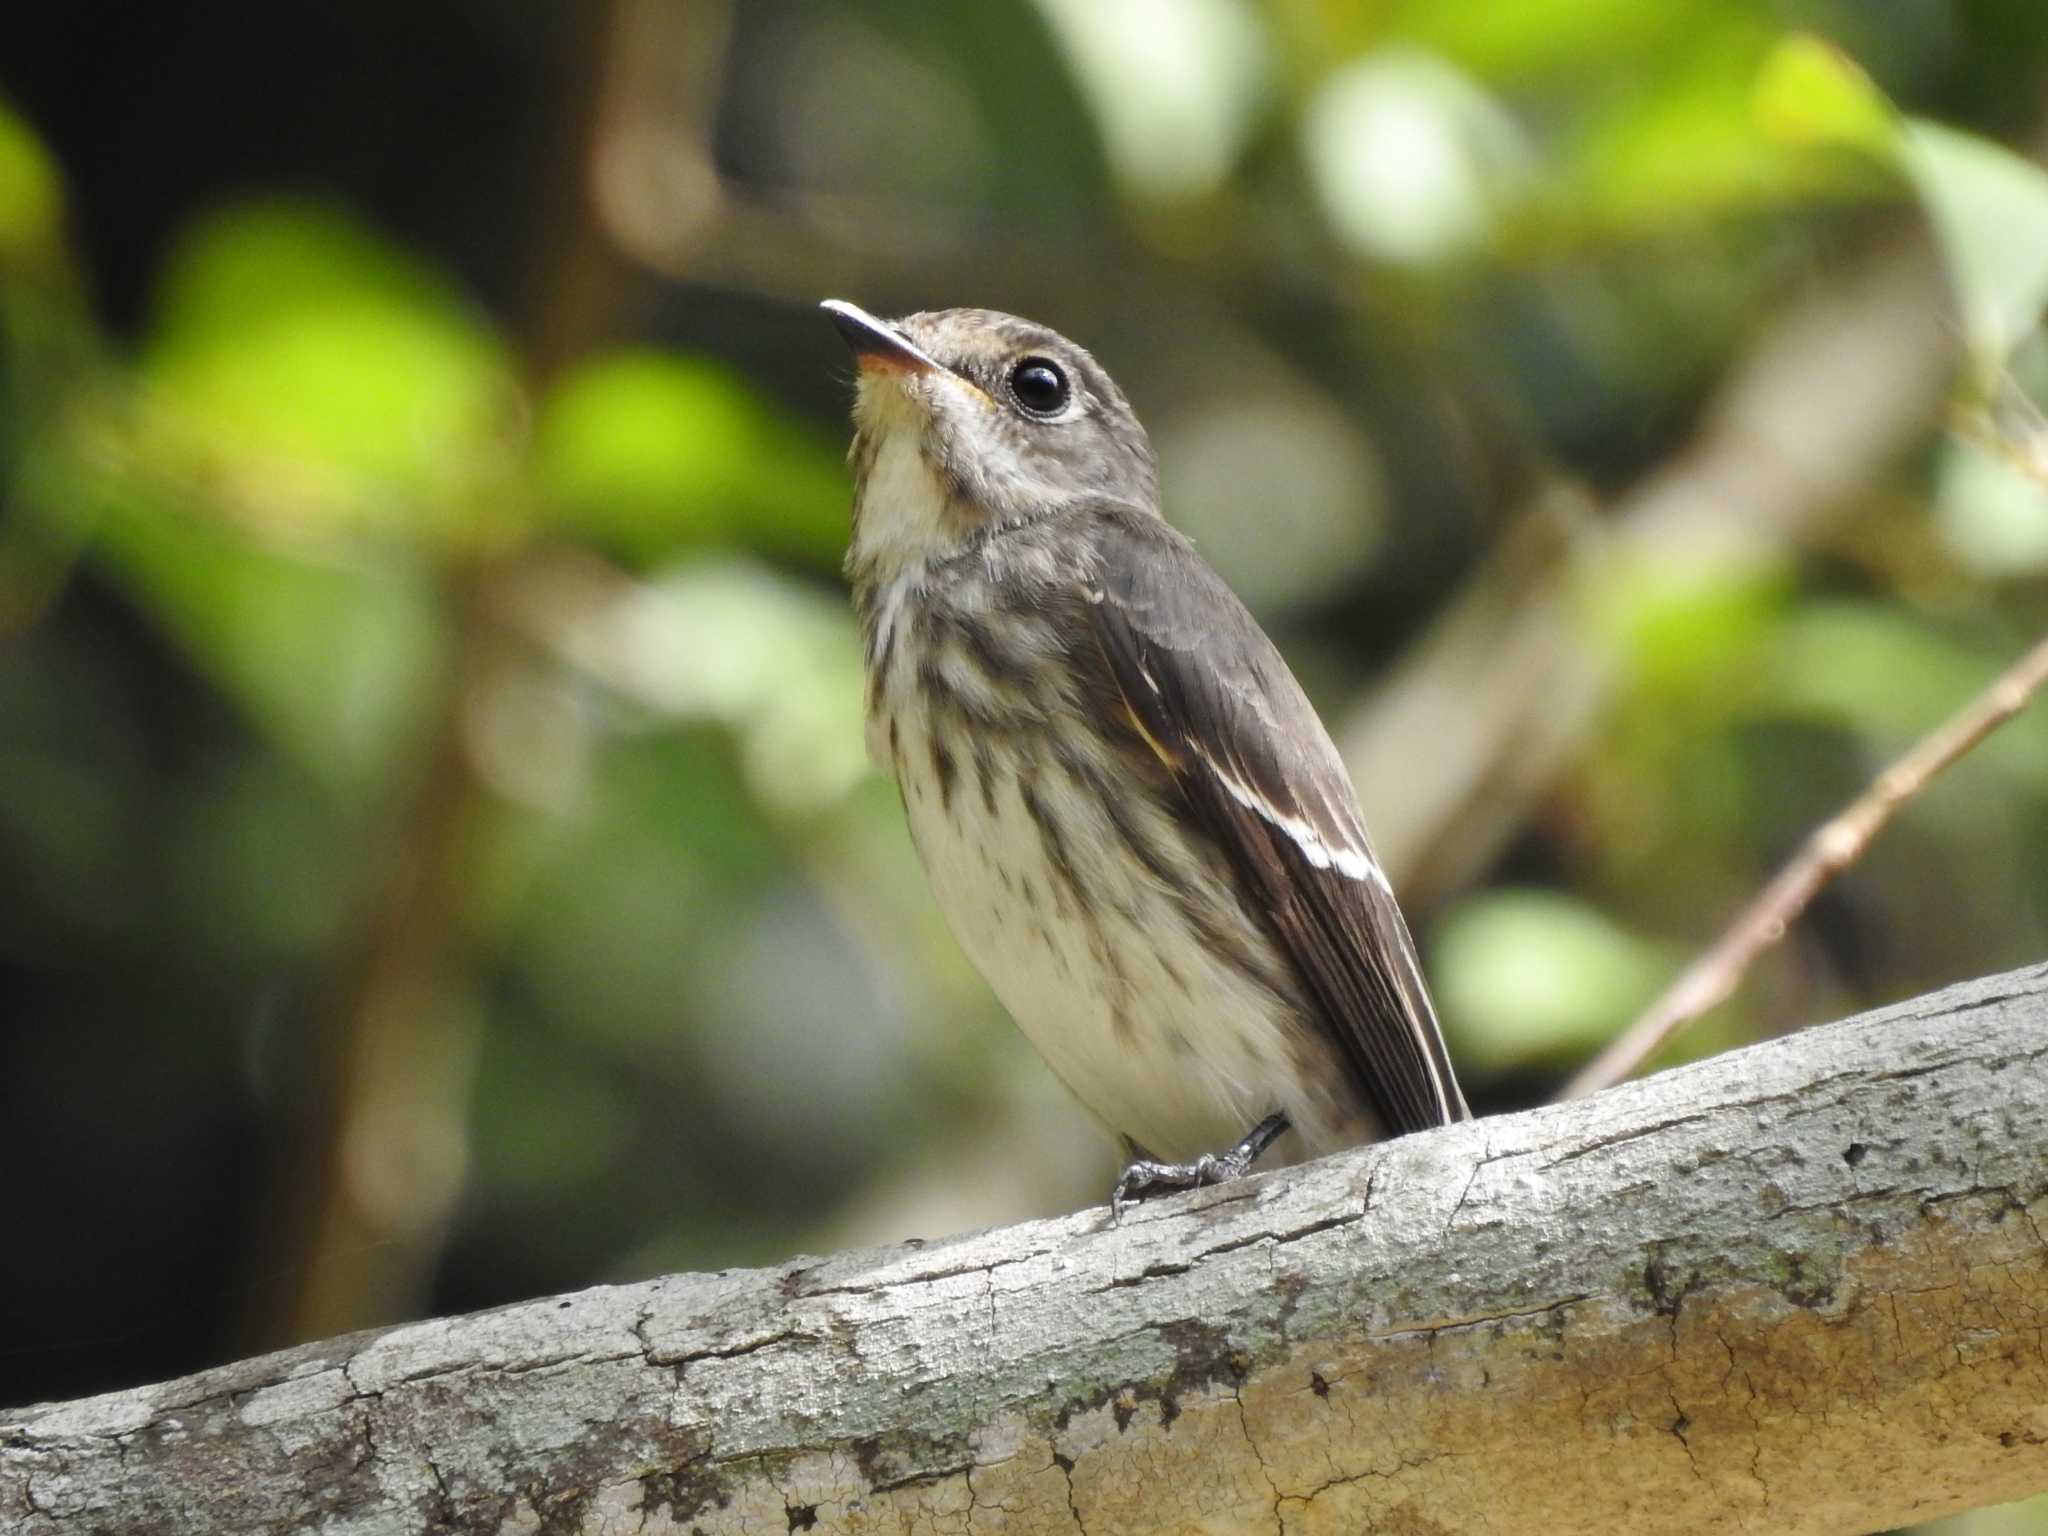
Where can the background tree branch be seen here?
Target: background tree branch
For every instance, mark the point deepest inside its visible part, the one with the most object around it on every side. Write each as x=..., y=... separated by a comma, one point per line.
x=1800, y=1286
x=1834, y=846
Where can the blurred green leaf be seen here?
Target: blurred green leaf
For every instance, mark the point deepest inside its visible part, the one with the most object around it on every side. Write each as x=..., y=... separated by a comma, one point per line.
x=337, y=664
x=1684, y=629
x=1413, y=160
x=1992, y=514
x=323, y=377
x=775, y=661
x=1689, y=143
x=2029, y=1517
x=1989, y=208
x=31, y=194
x=648, y=453
x=1506, y=39
x=608, y=924
x=1175, y=85
x=1538, y=978
x=1893, y=677
x=1810, y=92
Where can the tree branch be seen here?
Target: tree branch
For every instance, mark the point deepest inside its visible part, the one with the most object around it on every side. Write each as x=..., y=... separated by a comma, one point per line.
x=1802, y=1287
x=1712, y=979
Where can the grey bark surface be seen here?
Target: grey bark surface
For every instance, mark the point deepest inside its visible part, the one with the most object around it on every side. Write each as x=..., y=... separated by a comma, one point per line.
x=1798, y=1288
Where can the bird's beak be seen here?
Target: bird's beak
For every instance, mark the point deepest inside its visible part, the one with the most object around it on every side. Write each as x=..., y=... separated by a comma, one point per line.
x=877, y=343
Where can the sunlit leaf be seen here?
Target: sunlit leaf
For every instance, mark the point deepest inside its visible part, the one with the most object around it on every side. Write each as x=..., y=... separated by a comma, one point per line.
x=777, y=662
x=1992, y=514
x=1412, y=160
x=1533, y=977
x=1989, y=208
x=1503, y=39
x=647, y=453
x=323, y=377
x=1174, y=84
x=1679, y=627
x=1690, y=143
x=31, y=193
x=1810, y=92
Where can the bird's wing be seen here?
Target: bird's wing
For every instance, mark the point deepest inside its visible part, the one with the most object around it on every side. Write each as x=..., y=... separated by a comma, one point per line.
x=1217, y=703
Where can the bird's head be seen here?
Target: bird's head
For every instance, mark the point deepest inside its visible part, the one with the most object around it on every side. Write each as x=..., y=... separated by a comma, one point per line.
x=969, y=419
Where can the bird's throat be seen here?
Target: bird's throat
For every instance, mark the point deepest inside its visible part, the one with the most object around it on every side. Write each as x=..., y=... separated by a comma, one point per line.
x=905, y=515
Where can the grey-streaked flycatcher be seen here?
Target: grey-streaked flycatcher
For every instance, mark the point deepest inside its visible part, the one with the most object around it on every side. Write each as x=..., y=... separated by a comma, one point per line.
x=1129, y=813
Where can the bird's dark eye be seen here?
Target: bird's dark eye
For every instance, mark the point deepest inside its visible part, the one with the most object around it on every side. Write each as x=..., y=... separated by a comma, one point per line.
x=1038, y=385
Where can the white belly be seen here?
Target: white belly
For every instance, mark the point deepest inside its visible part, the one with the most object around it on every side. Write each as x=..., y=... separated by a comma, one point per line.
x=1165, y=1041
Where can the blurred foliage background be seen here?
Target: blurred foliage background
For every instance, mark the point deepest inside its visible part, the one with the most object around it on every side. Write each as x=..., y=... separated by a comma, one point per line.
x=438, y=863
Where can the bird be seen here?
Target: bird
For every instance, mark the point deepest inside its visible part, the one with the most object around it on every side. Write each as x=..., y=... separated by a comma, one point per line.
x=1127, y=809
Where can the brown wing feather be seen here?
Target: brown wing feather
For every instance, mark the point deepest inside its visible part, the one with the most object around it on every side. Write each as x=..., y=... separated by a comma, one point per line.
x=1219, y=705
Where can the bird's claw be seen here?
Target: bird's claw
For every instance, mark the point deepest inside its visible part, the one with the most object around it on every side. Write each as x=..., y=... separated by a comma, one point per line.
x=1146, y=1177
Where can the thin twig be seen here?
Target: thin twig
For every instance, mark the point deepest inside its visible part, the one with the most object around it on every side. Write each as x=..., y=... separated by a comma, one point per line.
x=1839, y=843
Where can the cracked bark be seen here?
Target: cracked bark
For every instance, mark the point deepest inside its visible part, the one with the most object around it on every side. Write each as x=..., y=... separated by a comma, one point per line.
x=1800, y=1288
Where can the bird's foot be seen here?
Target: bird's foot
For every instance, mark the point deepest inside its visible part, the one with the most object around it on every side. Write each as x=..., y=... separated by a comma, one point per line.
x=1145, y=1177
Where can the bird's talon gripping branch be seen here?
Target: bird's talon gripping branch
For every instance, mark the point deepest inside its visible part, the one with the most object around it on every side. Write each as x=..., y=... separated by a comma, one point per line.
x=1147, y=1177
